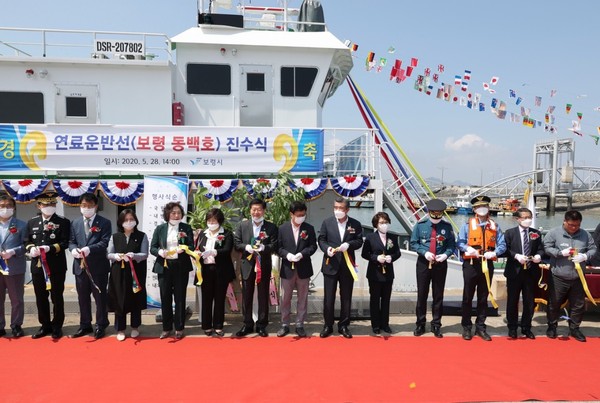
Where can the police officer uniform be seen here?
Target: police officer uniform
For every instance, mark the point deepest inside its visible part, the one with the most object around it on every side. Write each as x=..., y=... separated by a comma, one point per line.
x=50, y=234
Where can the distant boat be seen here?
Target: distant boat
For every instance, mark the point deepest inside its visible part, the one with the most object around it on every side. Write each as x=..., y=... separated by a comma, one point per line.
x=463, y=206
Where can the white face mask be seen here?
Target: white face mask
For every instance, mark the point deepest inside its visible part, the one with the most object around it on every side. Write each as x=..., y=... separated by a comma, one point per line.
x=88, y=212
x=339, y=214
x=129, y=224
x=383, y=228
x=48, y=211
x=258, y=220
x=526, y=223
x=213, y=227
x=174, y=222
x=482, y=211
x=435, y=220
x=6, y=212
x=299, y=220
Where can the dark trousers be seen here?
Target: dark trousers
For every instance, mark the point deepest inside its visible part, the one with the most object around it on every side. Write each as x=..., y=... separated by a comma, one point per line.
x=121, y=320
x=436, y=277
x=84, y=288
x=522, y=283
x=474, y=280
x=561, y=290
x=214, y=289
x=380, y=294
x=262, y=290
x=173, y=287
x=57, y=279
x=330, y=282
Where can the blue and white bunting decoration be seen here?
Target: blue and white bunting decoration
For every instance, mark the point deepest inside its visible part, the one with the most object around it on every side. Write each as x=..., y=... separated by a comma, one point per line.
x=313, y=187
x=122, y=192
x=25, y=190
x=350, y=186
x=220, y=189
x=70, y=190
x=267, y=191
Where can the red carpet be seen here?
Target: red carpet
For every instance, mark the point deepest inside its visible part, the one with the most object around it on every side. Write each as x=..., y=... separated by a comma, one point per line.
x=364, y=369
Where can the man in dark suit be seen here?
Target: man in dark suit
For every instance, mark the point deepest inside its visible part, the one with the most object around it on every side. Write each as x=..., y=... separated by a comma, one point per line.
x=88, y=243
x=256, y=239
x=47, y=240
x=340, y=236
x=297, y=243
x=524, y=250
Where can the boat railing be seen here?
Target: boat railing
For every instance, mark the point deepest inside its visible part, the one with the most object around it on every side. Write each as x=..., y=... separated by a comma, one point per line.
x=32, y=42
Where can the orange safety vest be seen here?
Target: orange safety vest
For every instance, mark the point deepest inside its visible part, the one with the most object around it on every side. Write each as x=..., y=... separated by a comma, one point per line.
x=483, y=241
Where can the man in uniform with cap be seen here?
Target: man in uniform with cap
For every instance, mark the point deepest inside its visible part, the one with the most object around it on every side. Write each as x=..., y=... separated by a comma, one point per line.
x=47, y=239
x=480, y=240
x=433, y=240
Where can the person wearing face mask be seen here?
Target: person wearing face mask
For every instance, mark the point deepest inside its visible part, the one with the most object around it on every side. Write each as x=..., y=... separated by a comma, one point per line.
x=173, y=265
x=90, y=234
x=568, y=246
x=255, y=238
x=215, y=244
x=12, y=265
x=480, y=240
x=297, y=243
x=340, y=236
x=434, y=241
x=47, y=240
x=524, y=252
x=127, y=247
x=381, y=249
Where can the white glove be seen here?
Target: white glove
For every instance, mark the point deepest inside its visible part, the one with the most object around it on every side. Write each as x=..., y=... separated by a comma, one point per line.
x=471, y=252
x=260, y=248
x=537, y=259
x=388, y=259
x=330, y=251
x=566, y=252
x=441, y=258
x=130, y=255
x=249, y=249
x=34, y=251
x=429, y=256
x=162, y=253
x=46, y=248
x=76, y=254
x=489, y=255
x=8, y=253
x=381, y=259
x=521, y=258
x=125, y=258
x=118, y=257
x=290, y=257
x=343, y=247
x=298, y=257
x=580, y=257
x=84, y=251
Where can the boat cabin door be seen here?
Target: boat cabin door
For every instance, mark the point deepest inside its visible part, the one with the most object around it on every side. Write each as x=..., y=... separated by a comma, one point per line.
x=256, y=97
x=76, y=103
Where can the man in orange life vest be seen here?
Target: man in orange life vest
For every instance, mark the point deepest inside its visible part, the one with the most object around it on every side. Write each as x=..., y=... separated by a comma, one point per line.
x=480, y=240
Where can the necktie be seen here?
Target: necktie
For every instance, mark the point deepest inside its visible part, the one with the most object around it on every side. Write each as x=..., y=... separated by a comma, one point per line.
x=433, y=240
x=526, y=245
x=86, y=226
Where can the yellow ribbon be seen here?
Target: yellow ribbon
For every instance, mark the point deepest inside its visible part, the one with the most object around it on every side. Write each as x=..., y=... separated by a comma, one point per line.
x=579, y=270
x=195, y=262
x=486, y=272
x=350, y=266
x=169, y=253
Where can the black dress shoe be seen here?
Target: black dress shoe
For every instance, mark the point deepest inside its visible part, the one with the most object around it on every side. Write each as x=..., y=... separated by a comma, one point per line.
x=344, y=331
x=466, y=334
x=387, y=329
x=17, y=332
x=41, y=333
x=300, y=332
x=420, y=330
x=283, y=331
x=244, y=331
x=551, y=332
x=326, y=332
x=376, y=331
x=98, y=333
x=512, y=333
x=2, y=332
x=437, y=331
x=262, y=332
x=57, y=334
x=576, y=333
x=82, y=331
x=483, y=334
x=529, y=334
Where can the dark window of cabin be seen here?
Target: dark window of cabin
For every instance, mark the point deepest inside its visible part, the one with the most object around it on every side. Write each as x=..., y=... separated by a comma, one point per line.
x=255, y=82
x=209, y=79
x=297, y=81
x=21, y=107
x=76, y=107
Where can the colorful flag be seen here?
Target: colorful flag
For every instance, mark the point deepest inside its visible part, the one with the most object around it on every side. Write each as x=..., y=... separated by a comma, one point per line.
x=568, y=108
x=551, y=109
x=579, y=115
x=414, y=61
x=467, y=75
x=391, y=49
x=519, y=100
x=494, y=80
x=398, y=63
x=382, y=62
x=409, y=71
x=596, y=138
x=512, y=93
x=547, y=118
x=457, y=80
x=538, y=101
x=481, y=107
x=354, y=47
x=370, y=56
x=494, y=102
x=552, y=93
x=448, y=89
x=575, y=125
x=440, y=68
x=486, y=86
x=436, y=78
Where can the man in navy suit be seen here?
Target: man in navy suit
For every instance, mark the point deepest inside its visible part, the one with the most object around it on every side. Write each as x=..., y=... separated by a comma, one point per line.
x=297, y=243
x=12, y=262
x=90, y=235
x=340, y=236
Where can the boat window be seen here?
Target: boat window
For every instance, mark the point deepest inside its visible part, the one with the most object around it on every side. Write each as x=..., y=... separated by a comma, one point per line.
x=209, y=79
x=21, y=107
x=297, y=81
x=255, y=82
x=76, y=107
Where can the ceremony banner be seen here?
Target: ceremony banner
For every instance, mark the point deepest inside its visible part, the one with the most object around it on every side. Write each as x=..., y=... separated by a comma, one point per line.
x=158, y=191
x=160, y=148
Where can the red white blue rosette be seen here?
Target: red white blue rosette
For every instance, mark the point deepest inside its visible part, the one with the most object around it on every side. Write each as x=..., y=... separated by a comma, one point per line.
x=122, y=192
x=267, y=187
x=25, y=190
x=70, y=190
x=313, y=187
x=220, y=189
x=350, y=186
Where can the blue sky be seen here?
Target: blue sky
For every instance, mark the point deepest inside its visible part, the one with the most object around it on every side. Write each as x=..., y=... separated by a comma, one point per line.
x=533, y=47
